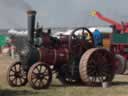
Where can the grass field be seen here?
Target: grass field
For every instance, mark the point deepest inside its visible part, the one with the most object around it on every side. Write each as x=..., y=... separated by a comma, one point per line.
x=119, y=86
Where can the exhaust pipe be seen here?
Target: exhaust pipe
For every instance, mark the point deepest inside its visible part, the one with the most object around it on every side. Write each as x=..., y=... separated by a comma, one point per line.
x=31, y=25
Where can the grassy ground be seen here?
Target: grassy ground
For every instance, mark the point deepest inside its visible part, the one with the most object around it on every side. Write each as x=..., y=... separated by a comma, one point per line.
x=119, y=86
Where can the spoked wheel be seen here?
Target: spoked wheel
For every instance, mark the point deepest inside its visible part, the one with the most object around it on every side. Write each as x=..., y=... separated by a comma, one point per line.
x=40, y=76
x=96, y=66
x=16, y=76
x=84, y=31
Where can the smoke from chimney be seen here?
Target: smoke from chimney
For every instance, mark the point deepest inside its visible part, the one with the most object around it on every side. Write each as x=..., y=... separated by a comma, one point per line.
x=13, y=13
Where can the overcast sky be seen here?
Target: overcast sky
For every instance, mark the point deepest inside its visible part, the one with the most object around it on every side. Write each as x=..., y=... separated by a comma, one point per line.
x=61, y=13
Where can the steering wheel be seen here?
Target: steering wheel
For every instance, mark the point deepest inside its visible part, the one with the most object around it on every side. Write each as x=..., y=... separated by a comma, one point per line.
x=73, y=36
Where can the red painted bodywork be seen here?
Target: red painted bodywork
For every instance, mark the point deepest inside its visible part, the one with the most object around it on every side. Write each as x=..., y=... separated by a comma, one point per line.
x=54, y=56
x=121, y=49
x=54, y=52
x=116, y=48
x=59, y=52
x=119, y=26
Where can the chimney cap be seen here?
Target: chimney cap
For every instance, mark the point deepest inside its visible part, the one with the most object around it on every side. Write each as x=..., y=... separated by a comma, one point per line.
x=31, y=12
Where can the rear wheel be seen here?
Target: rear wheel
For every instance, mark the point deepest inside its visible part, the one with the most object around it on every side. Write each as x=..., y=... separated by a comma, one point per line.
x=16, y=76
x=96, y=66
x=120, y=63
x=40, y=76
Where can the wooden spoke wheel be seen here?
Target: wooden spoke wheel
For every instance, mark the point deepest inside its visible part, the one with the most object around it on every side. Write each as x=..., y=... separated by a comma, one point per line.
x=40, y=76
x=16, y=76
x=96, y=66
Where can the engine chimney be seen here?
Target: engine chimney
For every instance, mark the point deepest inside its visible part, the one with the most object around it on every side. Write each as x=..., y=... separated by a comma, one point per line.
x=31, y=25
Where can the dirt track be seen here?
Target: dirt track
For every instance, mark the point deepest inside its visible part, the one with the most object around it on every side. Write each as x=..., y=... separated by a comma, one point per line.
x=5, y=61
x=118, y=88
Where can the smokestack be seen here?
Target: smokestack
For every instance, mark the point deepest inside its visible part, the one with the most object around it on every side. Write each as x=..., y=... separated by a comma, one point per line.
x=31, y=25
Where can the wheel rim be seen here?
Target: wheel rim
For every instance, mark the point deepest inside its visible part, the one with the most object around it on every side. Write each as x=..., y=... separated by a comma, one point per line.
x=16, y=75
x=99, y=70
x=94, y=70
x=40, y=76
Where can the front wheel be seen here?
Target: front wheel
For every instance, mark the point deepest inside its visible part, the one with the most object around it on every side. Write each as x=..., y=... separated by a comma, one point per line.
x=16, y=76
x=40, y=76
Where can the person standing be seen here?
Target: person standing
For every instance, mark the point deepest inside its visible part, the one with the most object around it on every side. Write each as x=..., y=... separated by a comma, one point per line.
x=98, y=38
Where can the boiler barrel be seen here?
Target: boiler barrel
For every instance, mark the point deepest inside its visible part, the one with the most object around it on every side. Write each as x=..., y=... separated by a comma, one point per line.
x=54, y=56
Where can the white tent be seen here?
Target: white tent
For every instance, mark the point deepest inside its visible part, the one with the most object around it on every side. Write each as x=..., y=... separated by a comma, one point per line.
x=92, y=29
x=17, y=33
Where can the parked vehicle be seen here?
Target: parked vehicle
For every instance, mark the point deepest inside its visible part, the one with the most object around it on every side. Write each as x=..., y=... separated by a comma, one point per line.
x=73, y=58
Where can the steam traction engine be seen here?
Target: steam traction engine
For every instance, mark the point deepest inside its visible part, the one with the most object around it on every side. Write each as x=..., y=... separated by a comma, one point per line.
x=119, y=42
x=73, y=58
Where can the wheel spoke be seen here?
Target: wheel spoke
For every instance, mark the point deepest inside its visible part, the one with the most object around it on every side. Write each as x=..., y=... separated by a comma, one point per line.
x=98, y=63
x=41, y=83
x=45, y=74
x=45, y=70
x=40, y=76
x=20, y=79
x=35, y=80
x=45, y=78
x=18, y=68
x=39, y=68
x=11, y=75
x=100, y=77
x=15, y=76
x=15, y=68
x=15, y=81
x=34, y=75
x=11, y=78
x=12, y=70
